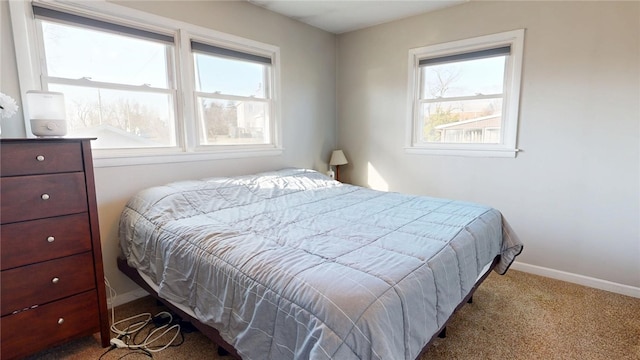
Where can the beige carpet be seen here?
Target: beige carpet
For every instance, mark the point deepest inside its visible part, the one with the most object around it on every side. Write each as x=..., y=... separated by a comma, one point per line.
x=516, y=316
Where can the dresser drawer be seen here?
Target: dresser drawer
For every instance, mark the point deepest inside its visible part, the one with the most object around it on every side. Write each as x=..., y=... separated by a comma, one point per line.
x=40, y=158
x=47, y=281
x=39, y=196
x=48, y=325
x=34, y=241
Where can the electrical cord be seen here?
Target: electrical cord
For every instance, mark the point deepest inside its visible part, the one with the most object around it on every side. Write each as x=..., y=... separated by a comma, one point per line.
x=132, y=352
x=157, y=327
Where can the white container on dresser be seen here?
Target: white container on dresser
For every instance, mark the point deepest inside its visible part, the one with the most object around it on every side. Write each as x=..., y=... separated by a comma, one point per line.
x=52, y=277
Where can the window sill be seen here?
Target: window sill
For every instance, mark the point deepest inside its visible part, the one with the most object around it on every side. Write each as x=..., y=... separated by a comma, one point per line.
x=123, y=159
x=463, y=152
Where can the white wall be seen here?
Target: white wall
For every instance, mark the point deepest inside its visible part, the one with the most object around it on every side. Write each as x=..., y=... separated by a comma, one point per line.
x=9, y=74
x=572, y=194
x=307, y=106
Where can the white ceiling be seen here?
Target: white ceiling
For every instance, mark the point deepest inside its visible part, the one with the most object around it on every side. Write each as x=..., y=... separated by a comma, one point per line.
x=348, y=15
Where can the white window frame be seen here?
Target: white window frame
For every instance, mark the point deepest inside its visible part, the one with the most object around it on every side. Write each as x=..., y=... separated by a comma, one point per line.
x=510, y=111
x=29, y=51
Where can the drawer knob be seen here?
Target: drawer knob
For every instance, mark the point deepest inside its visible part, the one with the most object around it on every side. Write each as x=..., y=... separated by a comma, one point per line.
x=40, y=157
x=45, y=196
x=60, y=321
x=51, y=239
x=55, y=280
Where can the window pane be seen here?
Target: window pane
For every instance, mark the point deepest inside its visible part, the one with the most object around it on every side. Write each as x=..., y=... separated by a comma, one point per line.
x=492, y=136
x=119, y=119
x=225, y=122
x=463, y=78
x=229, y=76
x=469, y=121
x=74, y=53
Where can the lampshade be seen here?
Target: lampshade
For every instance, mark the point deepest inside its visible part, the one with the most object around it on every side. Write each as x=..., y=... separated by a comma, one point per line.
x=338, y=158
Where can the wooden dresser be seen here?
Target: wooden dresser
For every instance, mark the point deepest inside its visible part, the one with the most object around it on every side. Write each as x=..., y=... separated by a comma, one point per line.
x=51, y=279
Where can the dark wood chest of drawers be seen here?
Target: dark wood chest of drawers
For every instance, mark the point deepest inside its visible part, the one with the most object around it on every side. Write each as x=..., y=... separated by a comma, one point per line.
x=51, y=278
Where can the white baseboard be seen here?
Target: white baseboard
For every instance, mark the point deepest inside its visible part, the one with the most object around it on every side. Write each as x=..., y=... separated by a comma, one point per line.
x=129, y=296
x=578, y=279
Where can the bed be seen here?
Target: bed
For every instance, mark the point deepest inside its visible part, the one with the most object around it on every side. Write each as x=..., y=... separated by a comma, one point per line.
x=291, y=264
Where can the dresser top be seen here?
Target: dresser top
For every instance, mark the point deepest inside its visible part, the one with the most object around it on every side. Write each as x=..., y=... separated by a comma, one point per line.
x=52, y=139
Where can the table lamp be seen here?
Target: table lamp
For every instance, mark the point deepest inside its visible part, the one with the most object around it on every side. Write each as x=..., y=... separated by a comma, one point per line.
x=337, y=159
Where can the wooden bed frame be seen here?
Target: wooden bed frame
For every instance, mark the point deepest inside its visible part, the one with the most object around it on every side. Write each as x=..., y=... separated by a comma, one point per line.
x=224, y=348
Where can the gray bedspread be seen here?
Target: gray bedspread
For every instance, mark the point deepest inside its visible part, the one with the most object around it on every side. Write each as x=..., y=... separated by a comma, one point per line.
x=293, y=265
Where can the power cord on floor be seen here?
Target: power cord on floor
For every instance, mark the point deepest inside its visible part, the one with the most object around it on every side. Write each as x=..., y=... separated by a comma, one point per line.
x=156, y=328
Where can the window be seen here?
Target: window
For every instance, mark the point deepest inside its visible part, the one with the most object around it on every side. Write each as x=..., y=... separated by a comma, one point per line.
x=233, y=96
x=127, y=80
x=117, y=81
x=465, y=96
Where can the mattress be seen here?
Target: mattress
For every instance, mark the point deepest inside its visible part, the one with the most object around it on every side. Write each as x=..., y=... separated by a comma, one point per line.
x=291, y=264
